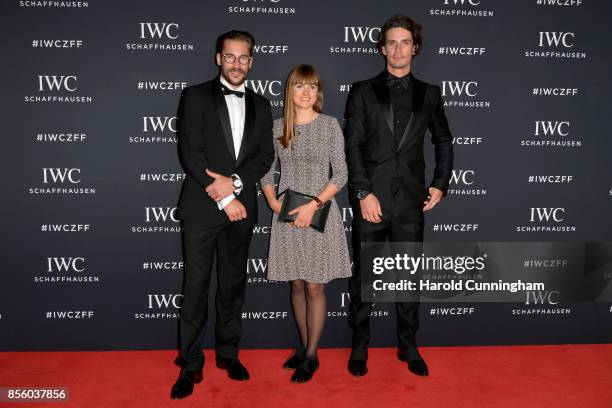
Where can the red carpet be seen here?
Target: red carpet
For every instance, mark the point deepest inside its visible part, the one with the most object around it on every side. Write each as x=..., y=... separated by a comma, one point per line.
x=514, y=376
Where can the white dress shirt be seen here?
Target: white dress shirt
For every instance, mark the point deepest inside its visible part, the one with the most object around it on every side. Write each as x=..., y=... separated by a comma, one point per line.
x=236, y=108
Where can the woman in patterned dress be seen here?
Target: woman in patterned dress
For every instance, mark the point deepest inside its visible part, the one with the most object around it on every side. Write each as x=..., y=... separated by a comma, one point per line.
x=307, y=142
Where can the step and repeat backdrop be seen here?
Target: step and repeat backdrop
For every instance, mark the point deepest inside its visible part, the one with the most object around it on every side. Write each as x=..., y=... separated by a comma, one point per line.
x=91, y=246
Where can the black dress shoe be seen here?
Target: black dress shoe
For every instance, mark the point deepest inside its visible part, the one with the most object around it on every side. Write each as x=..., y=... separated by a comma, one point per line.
x=295, y=359
x=416, y=366
x=235, y=369
x=306, y=370
x=358, y=367
x=183, y=387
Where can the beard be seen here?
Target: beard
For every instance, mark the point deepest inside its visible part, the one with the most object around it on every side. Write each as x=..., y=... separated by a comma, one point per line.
x=236, y=82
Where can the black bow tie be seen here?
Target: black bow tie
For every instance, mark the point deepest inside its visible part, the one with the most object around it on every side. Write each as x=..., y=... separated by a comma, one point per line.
x=227, y=91
x=404, y=82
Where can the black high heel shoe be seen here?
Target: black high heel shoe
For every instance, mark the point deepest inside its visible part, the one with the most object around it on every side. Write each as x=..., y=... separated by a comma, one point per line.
x=306, y=370
x=295, y=359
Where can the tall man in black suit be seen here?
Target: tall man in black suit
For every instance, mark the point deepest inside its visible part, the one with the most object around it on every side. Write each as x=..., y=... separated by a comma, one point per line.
x=225, y=146
x=386, y=120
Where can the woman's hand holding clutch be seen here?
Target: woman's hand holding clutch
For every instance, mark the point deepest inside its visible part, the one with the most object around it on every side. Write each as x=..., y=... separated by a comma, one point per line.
x=304, y=214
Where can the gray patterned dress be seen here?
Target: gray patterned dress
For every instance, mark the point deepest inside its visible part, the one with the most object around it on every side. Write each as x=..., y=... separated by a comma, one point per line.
x=303, y=253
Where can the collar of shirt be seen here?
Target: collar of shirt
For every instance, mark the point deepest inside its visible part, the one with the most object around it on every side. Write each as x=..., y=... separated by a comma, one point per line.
x=241, y=88
x=404, y=81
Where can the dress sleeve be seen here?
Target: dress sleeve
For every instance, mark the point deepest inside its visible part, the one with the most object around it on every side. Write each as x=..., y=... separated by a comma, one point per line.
x=268, y=178
x=337, y=157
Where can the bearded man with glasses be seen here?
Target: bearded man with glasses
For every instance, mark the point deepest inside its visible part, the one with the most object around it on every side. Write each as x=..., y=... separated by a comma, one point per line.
x=225, y=146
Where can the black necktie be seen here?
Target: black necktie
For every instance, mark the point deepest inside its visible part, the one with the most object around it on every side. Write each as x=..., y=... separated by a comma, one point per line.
x=227, y=91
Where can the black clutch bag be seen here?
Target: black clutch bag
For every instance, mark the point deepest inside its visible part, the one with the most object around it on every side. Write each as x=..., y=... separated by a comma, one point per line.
x=293, y=200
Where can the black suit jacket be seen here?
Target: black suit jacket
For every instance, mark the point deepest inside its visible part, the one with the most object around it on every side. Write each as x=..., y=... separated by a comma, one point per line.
x=374, y=155
x=205, y=142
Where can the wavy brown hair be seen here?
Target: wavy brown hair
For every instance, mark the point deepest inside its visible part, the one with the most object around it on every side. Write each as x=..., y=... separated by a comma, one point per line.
x=400, y=21
x=304, y=74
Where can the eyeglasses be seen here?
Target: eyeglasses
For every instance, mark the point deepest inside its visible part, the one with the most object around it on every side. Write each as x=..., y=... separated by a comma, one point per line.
x=231, y=58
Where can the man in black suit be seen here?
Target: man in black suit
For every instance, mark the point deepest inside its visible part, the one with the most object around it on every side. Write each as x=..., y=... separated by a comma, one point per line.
x=386, y=120
x=225, y=146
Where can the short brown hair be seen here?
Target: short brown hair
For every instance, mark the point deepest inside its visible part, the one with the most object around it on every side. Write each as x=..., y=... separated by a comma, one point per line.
x=400, y=21
x=235, y=35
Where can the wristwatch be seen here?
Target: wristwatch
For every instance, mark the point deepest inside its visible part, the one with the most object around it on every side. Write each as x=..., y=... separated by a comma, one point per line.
x=361, y=194
x=236, y=182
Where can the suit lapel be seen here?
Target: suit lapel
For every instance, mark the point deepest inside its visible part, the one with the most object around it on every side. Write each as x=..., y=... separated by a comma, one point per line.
x=418, y=98
x=224, y=119
x=406, y=130
x=249, y=123
x=381, y=90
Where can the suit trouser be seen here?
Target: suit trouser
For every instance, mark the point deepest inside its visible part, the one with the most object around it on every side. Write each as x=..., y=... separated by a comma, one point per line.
x=398, y=225
x=231, y=243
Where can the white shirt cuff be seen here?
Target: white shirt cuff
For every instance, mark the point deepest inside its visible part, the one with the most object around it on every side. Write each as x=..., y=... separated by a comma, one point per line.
x=221, y=204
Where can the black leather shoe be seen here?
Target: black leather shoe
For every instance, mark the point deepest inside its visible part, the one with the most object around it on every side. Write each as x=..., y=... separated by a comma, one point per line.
x=183, y=387
x=416, y=366
x=235, y=369
x=358, y=367
x=295, y=359
x=306, y=370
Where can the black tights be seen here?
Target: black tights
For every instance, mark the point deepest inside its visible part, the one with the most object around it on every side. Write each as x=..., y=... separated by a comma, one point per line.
x=309, y=309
